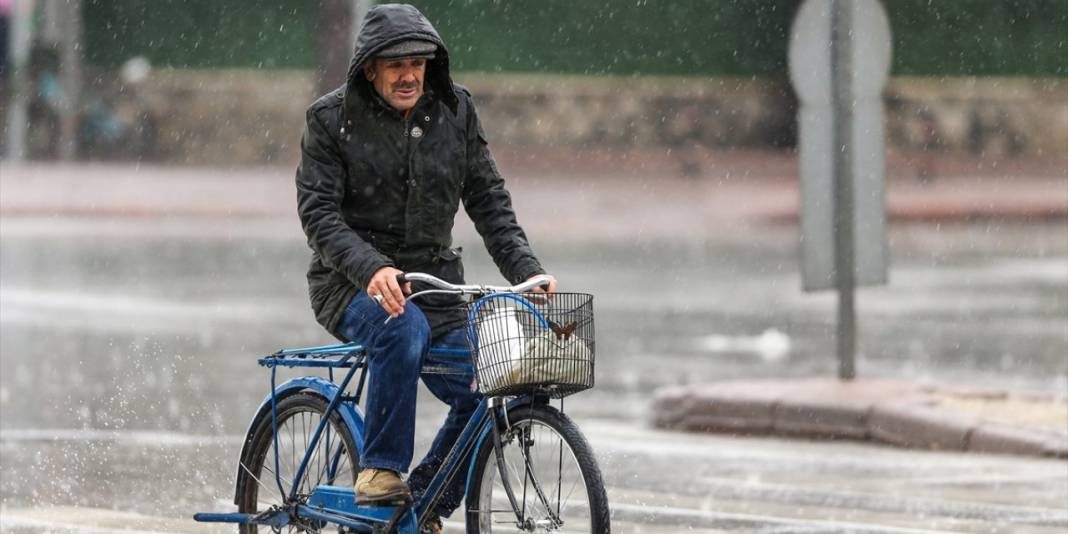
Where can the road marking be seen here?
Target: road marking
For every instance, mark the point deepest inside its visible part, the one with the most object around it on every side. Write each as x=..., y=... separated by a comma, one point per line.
x=686, y=516
x=161, y=306
x=98, y=312
x=79, y=520
x=131, y=437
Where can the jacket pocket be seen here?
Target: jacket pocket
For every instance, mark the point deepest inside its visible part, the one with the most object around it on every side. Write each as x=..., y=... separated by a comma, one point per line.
x=439, y=170
x=442, y=308
x=449, y=265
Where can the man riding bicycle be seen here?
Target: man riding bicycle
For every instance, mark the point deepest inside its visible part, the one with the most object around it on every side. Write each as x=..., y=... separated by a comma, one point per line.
x=386, y=160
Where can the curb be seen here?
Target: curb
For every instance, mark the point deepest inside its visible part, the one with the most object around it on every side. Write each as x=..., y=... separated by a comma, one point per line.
x=919, y=426
x=892, y=412
x=1052, y=209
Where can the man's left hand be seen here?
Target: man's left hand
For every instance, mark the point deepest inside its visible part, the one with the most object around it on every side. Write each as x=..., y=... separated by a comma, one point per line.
x=542, y=289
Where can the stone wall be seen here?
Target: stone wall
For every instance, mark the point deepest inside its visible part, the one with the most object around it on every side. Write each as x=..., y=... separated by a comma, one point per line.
x=227, y=117
x=622, y=112
x=992, y=116
x=256, y=117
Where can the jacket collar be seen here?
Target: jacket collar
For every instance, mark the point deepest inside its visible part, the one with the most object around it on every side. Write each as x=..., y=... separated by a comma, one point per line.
x=379, y=106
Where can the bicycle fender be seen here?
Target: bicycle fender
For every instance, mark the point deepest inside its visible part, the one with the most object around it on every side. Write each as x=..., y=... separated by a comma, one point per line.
x=350, y=414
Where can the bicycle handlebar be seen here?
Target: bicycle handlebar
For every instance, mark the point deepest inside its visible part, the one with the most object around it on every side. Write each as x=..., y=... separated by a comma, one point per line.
x=537, y=281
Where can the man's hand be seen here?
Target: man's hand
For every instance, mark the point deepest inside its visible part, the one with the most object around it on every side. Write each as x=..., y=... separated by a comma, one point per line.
x=541, y=289
x=384, y=283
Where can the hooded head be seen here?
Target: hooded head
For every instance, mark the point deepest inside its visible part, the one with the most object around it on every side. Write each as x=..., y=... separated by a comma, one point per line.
x=392, y=30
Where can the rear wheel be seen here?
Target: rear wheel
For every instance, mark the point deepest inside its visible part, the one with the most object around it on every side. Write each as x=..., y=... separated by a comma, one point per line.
x=333, y=462
x=553, y=475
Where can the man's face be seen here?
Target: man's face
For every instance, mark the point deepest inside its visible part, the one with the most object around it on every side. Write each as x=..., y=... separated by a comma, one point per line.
x=398, y=81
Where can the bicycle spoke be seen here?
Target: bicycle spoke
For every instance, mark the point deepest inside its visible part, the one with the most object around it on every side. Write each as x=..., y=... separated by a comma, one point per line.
x=304, y=434
x=316, y=458
x=326, y=463
x=257, y=480
x=292, y=446
x=285, y=479
x=560, y=469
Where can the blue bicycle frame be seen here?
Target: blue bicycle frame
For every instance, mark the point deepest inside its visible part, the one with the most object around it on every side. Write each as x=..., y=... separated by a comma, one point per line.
x=335, y=504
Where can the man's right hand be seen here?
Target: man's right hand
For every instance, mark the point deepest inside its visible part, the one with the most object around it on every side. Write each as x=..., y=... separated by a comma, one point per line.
x=384, y=282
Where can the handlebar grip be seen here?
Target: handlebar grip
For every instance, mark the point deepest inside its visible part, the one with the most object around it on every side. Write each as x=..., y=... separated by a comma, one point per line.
x=531, y=284
x=402, y=279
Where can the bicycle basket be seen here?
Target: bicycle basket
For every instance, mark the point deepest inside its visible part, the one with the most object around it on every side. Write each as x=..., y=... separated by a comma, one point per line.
x=530, y=343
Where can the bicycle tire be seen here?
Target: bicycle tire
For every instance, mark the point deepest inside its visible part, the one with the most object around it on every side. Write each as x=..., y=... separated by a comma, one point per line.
x=483, y=518
x=306, y=410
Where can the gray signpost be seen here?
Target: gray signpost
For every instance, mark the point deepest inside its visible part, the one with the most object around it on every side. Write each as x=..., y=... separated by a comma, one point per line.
x=839, y=62
x=58, y=24
x=20, y=36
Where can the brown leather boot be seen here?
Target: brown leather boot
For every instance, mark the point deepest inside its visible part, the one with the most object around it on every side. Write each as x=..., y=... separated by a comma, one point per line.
x=378, y=486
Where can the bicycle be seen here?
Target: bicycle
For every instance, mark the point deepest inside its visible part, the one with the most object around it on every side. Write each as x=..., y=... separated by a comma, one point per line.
x=528, y=467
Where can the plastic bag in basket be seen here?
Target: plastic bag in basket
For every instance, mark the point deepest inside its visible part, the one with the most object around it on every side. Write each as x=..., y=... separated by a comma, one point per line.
x=550, y=359
x=501, y=337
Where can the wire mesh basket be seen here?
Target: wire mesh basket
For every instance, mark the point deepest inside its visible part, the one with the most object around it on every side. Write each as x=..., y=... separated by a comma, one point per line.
x=530, y=343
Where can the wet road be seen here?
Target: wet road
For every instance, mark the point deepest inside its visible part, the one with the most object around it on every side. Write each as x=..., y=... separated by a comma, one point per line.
x=128, y=369
x=657, y=482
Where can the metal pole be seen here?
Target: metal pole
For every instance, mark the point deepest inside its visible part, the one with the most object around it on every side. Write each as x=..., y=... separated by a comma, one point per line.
x=335, y=27
x=842, y=102
x=18, y=110
x=359, y=11
x=70, y=75
x=339, y=21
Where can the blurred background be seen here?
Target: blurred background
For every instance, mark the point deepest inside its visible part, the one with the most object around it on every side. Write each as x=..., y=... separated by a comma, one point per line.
x=150, y=250
x=203, y=82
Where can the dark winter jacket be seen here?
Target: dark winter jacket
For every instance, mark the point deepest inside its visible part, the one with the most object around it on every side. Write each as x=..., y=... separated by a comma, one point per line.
x=384, y=190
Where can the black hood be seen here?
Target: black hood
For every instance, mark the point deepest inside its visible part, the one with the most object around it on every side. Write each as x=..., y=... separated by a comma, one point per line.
x=389, y=24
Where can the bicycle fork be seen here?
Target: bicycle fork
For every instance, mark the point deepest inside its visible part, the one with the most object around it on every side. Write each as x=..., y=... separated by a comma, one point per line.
x=500, y=414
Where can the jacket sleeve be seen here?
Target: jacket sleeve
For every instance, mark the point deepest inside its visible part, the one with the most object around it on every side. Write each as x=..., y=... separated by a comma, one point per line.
x=320, y=192
x=489, y=205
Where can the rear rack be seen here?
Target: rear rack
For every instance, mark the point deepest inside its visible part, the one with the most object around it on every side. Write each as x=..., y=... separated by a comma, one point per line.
x=343, y=355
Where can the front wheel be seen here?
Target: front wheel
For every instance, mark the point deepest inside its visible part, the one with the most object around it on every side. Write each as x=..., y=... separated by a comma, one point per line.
x=553, y=475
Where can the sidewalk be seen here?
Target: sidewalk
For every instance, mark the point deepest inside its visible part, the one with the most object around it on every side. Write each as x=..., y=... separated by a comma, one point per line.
x=604, y=194
x=894, y=412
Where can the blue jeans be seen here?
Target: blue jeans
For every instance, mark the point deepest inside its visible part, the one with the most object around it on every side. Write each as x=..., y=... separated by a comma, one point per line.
x=399, y=356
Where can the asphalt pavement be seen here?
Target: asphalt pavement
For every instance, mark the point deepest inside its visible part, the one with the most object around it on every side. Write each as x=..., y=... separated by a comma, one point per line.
x=658, y=482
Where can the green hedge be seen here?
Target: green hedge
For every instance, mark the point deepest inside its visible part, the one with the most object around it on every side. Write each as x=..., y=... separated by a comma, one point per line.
x=679, y=37
x=980, y=37
x=658, y=37
x=201, y=33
